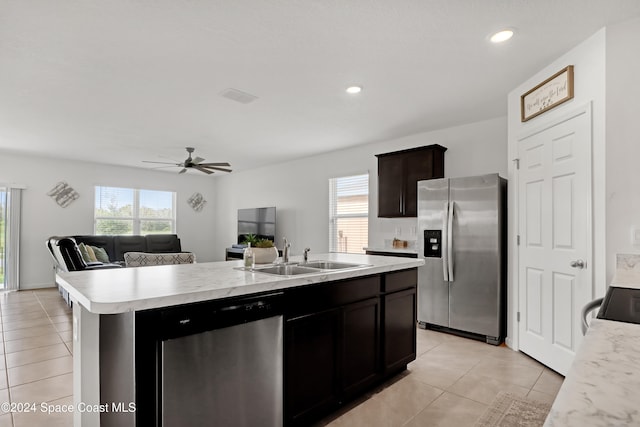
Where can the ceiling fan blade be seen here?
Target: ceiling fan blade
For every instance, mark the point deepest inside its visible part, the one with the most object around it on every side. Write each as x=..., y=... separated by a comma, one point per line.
x=197, y=160
x=215, y=168
x=201, y=169
x=183, y=170
x=214, y=164
x=162, y=163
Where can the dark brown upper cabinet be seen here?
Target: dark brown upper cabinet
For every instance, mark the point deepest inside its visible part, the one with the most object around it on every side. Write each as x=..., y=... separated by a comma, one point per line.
x=398, y=174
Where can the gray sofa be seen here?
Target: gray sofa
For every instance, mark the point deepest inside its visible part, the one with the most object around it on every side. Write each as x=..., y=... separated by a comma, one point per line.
x=67, y=255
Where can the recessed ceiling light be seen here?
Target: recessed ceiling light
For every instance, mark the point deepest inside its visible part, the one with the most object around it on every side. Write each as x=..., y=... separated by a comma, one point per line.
x=501, y=36
x=354, y=89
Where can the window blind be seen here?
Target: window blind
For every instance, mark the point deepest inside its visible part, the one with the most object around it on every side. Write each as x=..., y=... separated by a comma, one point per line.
x=349, y=213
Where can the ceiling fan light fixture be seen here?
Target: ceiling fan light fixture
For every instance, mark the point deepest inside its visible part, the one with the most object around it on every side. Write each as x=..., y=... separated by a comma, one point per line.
x=502, y=35
x=352, y=90
x=195, y=163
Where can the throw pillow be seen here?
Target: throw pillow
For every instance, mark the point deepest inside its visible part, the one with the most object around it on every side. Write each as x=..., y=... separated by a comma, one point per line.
x=83, y=251
x=92, y=255
x=101, y=254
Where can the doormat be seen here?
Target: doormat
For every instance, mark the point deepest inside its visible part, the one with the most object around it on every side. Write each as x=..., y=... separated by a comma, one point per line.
x=509, y=410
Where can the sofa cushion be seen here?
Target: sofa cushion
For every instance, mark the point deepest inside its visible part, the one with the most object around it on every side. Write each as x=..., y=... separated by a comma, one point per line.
x=163, y=243
x=100, y=241
x=141, y=259
x=123, y=244
x=91, y=255
x=84, y=252
x=100, y=254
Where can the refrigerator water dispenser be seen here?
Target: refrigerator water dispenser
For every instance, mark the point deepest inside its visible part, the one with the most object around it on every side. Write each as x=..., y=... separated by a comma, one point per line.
x=433, y=243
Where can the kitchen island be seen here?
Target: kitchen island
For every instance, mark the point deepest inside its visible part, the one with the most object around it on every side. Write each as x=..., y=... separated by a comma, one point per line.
x=366, y=315
x=602, y=388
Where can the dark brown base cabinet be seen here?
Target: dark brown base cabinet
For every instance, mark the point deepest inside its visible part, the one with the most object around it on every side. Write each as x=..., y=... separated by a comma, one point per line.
x=400, y=341
x=343, y=338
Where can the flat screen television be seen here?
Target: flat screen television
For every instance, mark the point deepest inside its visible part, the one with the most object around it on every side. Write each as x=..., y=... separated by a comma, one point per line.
x=258, y=221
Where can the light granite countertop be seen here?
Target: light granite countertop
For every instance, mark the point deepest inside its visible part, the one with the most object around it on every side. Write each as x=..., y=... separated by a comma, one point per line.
x=121, y=290
x=602, y=388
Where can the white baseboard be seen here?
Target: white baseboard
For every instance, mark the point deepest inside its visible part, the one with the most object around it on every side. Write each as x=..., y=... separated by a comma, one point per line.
x=31, y=286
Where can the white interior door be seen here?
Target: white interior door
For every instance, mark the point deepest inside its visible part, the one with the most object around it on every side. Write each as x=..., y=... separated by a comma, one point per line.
x=554, y=221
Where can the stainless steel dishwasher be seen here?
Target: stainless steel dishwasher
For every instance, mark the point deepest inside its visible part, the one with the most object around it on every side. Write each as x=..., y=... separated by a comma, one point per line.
x=222, y=364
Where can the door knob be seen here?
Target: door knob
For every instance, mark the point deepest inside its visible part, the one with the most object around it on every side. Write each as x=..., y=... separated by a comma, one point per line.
x=577, y=263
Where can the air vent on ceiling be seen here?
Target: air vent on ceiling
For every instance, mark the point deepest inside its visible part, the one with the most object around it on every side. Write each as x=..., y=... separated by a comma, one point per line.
x=238, y=95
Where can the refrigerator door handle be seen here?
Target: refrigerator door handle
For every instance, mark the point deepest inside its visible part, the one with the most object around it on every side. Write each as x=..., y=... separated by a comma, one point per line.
x=450, y=241
x=445, y=259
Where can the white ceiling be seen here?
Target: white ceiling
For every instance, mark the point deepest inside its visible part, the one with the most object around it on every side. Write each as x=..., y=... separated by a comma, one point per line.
x=120, y=81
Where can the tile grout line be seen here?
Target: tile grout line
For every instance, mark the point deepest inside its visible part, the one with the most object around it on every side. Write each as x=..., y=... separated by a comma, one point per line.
x=467, y=371
x=6, y=371
x=42, y=307
x=53, y=324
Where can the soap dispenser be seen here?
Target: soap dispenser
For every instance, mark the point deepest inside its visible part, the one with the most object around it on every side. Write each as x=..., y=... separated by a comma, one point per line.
x=249, y=257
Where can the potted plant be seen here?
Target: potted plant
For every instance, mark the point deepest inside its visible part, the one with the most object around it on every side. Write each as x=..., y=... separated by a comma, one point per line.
x=264, y=251
x=251, y=238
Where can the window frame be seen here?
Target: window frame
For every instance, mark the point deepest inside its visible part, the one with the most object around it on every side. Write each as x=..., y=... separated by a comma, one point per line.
x=334, y=216
x=135, y=218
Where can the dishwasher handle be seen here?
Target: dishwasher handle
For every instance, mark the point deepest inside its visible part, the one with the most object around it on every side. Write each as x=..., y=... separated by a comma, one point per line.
x=190, y=319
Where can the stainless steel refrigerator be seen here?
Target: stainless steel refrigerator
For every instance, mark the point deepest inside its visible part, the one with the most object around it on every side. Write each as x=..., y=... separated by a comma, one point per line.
x=462, y=238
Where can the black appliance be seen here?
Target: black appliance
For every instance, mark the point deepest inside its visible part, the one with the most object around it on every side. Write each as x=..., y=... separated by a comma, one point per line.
x=621, y=304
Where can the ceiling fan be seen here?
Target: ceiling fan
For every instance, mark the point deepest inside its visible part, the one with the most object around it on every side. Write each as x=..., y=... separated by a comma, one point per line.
x=196, y=163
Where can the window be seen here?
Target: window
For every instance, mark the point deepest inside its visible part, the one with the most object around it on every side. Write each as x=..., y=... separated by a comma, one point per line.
x=349, y=213
x=133, y=211
x=10, y=206
x=3, y=222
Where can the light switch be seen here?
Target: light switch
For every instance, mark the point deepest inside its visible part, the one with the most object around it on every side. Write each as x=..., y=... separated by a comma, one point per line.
x=635, y=236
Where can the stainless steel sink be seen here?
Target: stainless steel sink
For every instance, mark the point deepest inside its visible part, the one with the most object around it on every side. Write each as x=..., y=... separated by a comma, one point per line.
x=311, y=267
x=285, y=270
x=330, y=265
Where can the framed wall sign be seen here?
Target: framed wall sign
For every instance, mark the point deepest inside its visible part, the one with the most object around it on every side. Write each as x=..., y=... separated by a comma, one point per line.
x=548, y=94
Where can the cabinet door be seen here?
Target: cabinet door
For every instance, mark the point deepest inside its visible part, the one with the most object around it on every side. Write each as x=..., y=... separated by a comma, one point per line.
x=311, y=371
x=398, y=175
x=399, y=329
x=390, y=186
x=360, y=346
x=418, y=166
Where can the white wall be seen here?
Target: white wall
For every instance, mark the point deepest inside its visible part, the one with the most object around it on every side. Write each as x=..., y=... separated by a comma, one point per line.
x=588, y=59
x=42, y=217
x=623, y=140
x=300, y=189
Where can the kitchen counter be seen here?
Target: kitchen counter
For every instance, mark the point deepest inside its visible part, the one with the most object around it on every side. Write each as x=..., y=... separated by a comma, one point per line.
x=117, y=296
x=602, y=387
x=121, y=290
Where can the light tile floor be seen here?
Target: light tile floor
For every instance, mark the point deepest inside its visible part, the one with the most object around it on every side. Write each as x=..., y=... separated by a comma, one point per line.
x=36, y=358
x=451, y=383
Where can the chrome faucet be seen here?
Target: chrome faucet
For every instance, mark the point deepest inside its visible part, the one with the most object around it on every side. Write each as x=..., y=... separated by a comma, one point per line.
x=285, y=251
x=306, y=255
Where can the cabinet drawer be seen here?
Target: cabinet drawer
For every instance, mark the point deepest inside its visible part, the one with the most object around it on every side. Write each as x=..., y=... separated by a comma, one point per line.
x=399, y=280
x=314, y=298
